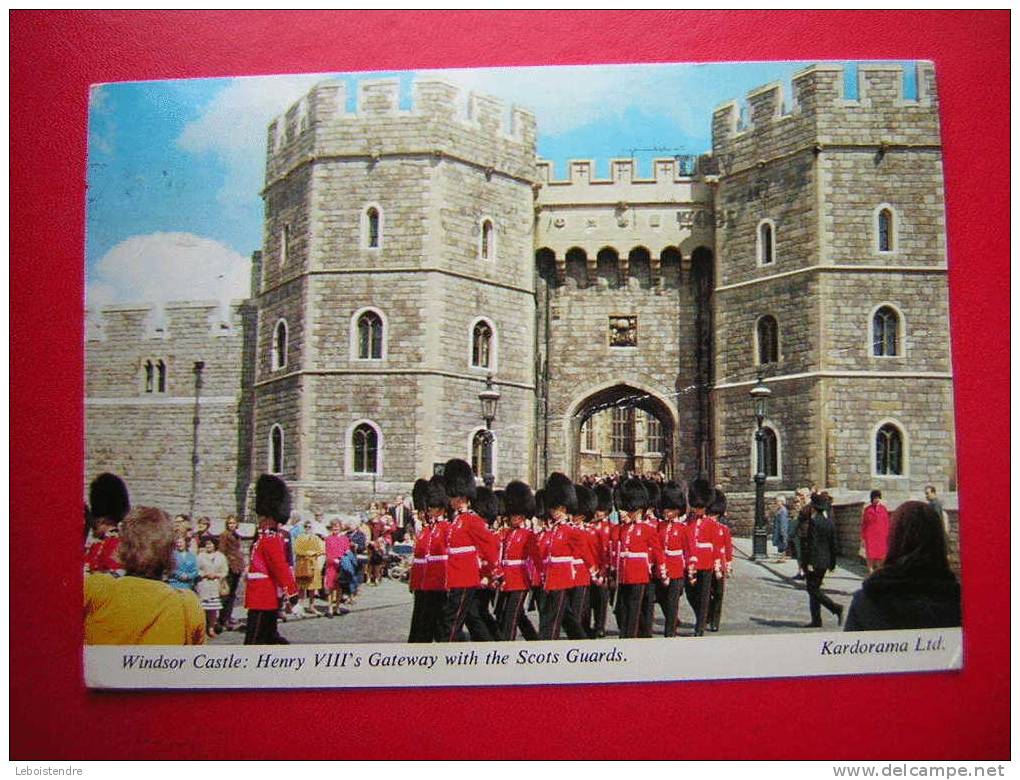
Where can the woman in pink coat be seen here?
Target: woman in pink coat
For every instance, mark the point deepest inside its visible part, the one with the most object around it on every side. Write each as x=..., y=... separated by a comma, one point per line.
x=337, y=545
x=875, y=531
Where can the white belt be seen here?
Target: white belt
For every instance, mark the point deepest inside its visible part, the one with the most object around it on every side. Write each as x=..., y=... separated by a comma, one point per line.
x=626, y=554
x=436, y=557
x=675, y=552
x=418, y=560
x=560, y=559
x=257, y=575
x=703, y=544
x=513, y=563
x=455, y=550
x=578, y=560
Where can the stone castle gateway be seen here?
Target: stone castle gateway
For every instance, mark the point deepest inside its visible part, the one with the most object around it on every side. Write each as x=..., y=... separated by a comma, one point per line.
x=408, y=255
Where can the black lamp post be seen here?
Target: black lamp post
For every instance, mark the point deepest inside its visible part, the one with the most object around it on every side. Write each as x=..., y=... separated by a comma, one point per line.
x=760, y=395
x=199, y=366
x=489, y=398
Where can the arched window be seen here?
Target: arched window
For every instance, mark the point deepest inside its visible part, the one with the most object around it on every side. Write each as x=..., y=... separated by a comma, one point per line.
x=372, y=227
x=365, y=449
x=885, y=230
x=370, y=336
x=160, y=376
x=767, y=337
x=487, y=245
x=770, y=447
x=889, y=451
x=276, y=450
x=483, y=352
x=279, y=351
x=588, y=434
x=885, y=332
x=623, y=430
x=150, y=372
x=766, y=242
x=654, y=441
x=482, y=445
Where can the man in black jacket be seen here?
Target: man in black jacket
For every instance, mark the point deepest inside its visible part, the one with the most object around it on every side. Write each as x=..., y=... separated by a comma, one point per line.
x=819, y=556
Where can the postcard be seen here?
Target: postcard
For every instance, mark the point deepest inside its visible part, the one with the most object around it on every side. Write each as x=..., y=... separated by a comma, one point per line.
x=519, y=376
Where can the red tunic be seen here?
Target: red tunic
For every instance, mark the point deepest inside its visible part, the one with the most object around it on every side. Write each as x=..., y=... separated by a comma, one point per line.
x=434, y=573
x=676, y=545
x=561, y=545
x=470, y=545
x=639, y=553
x=102, y=555
x=875, y=531
x=421, y=544
x=704, y=538
x=725, y=547
x=519, y=560
x=269, y=574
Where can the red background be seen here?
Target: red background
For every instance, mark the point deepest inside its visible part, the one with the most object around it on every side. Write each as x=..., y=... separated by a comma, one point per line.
x=54, y=58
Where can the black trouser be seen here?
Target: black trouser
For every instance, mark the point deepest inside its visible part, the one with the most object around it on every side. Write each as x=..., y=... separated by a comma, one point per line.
x=485, y=597
x=668, y=597
x=555, y=612
x=647, y=621
x=629, y=601
x=715, y=600
x=598, y=597
x=261, y=628
x=426, y=615
x=460, y=610
x=698, y=595
x=511, y=615
x=817, y=599
x=580, y=606
x=226, y=613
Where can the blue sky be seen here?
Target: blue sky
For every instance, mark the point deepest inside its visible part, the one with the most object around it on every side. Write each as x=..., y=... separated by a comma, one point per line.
x=175, y=167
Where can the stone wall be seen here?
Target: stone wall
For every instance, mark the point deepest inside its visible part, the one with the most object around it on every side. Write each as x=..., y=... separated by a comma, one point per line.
x=147, y=437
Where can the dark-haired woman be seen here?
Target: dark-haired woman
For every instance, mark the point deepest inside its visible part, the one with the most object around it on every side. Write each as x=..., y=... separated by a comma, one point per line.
x=915, y=588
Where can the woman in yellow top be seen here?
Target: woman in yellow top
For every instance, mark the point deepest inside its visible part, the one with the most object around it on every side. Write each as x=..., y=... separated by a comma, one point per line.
x=309, y=550
x=138, y=608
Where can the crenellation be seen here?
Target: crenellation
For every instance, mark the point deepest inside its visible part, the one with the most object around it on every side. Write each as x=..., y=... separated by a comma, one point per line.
x=880, y=85
x=523, y=126
x=379, y=97
x=766, y=104
x=486, y=112
x=327, y=101
x=436, y=100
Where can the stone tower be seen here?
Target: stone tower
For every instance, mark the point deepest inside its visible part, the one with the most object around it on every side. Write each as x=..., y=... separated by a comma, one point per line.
x=831, y=222
x=397, y=275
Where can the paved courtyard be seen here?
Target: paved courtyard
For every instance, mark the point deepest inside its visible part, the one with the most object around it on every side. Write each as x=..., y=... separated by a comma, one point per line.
x=761, y=598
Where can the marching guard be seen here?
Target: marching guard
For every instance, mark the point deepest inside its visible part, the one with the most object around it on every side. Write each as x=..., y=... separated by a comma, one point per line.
x=724, y=546
x=677, y=549
x=561, y=545
x=269, y=573
x=423, y=615
x=519, y=562
x=108, y=506
x=704, y=560
x=638, y=555
x=585, y=575
x=601, y=529
x=469, y=545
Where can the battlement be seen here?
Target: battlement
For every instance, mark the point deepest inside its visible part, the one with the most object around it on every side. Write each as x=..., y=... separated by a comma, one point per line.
x=666, y=170
x=819, y=114
x=173, y=320
x=432, y=101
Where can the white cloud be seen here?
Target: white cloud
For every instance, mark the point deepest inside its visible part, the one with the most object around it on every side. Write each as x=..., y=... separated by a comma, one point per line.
x=233, y=128
x=162, y=267
x=566, y=98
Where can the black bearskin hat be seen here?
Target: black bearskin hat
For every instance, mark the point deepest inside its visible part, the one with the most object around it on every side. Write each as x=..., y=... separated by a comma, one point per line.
x=699, y=495
x=717, y=507
x=540, y=504
x=108, y=498
x=519, y=499
x=604, y=496
x=672, y=497
x=587, y=501
x=459, y=479
x=631, y=496
x=501, y=502
x=485, y=505
x=559, y=491
x=419, y=493
x=435, y=495
x=652, y=488
x=272, y=498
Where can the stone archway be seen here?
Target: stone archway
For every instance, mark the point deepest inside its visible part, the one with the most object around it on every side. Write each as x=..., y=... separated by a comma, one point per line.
x=621, y=427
